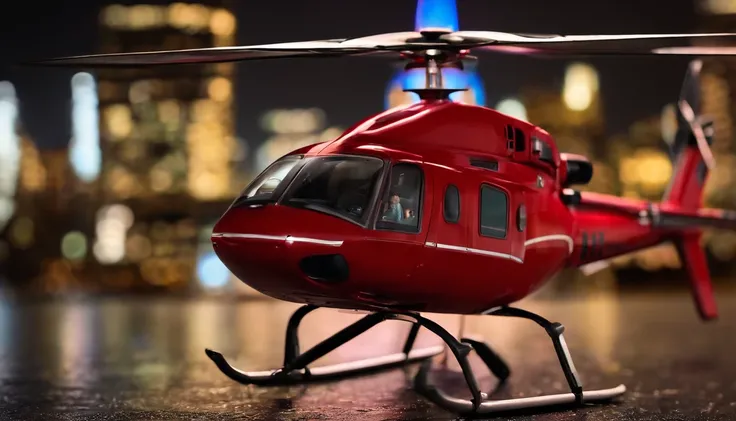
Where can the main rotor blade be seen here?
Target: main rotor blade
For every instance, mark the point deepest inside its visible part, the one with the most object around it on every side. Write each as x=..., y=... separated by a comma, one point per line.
x=375, y=44
x=418, y=41
x=207, y=55
x=704, y=44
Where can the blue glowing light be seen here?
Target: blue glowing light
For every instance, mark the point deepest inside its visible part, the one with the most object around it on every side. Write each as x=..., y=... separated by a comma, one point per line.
x=477, y=87
x=452, y=79
x=85, y=154
x=211, y=272
x=436, y=14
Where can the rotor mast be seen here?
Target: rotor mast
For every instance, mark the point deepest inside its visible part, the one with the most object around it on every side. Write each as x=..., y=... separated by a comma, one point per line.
x=433, y=71
x=433, y=60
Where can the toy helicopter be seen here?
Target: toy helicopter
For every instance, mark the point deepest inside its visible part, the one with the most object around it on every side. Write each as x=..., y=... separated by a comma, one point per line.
x=444, y=207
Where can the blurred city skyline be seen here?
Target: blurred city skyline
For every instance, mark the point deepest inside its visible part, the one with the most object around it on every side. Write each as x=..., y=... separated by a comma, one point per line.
x=112, y=180
x=631, y=88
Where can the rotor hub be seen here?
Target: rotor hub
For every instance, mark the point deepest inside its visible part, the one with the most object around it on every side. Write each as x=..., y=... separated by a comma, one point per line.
x=433, y=60
x=434, y=34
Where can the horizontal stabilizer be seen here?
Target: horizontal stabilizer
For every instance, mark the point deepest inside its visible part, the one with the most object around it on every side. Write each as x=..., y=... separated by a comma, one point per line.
x=701, y=218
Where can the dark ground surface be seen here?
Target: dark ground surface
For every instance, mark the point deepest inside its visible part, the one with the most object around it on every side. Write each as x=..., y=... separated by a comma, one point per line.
x=143, y=359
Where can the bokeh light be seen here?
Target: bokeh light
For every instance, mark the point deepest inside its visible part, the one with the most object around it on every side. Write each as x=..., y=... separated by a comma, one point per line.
x=581, y=85
x=513, y=107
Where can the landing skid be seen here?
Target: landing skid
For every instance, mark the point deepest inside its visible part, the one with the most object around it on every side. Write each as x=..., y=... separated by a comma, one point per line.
x=330, y=372
x=295, y=368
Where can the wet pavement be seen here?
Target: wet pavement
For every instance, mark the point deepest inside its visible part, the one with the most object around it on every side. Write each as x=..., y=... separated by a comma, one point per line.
x=143, y=359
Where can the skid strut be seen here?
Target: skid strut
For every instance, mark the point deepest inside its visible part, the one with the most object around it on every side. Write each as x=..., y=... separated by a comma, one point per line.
x=473, y=407
x=295, y=368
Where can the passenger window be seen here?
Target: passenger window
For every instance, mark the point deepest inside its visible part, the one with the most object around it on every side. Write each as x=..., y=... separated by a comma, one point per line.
x=493, y=212
x=400, y=207
x=452, y=204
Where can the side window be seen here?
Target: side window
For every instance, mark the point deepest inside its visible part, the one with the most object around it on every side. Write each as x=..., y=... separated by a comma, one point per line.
x=451, y=208
x=493, y=212
x=400, y=207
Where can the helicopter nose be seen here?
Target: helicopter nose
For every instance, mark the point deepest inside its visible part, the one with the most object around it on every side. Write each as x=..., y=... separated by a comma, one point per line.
x=283, y=252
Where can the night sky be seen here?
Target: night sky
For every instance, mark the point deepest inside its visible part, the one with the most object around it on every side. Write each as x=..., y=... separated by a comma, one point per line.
x=351, y=88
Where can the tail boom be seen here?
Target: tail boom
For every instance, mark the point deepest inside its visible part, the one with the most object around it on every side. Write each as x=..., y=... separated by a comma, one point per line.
x=610, y=227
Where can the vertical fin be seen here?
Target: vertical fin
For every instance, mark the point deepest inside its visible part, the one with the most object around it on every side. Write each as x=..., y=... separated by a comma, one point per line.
x=685, y=192
x=690, y=170
x=694, y=261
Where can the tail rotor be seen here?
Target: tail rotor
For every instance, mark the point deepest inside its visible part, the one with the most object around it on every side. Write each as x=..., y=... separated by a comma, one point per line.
x=684, y=196
x=690, y=124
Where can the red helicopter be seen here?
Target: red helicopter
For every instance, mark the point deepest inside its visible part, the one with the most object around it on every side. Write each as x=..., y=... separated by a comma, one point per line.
x=443, y=207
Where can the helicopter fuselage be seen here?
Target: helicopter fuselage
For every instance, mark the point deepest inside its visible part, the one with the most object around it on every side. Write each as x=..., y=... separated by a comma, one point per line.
x=437, y=207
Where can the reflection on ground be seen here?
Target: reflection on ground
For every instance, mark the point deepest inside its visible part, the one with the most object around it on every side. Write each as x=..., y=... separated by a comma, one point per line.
x=145, y=357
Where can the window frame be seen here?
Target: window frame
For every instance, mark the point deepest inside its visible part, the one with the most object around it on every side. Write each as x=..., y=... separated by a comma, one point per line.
x=396, y=227
x=372, y=201
x=480, y=211
x=278, y=193
x=444, y=204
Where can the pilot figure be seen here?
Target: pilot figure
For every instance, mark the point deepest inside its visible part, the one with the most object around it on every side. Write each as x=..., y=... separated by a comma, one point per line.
x=394, y=212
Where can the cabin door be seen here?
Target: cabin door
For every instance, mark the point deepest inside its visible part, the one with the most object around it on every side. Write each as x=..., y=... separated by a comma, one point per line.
x=499, y=228
x=449, y=234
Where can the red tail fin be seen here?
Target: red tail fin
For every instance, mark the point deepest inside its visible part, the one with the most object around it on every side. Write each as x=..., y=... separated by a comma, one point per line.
x=692, y=139
x=686, y=187
x=693, y=258
x=683, y=199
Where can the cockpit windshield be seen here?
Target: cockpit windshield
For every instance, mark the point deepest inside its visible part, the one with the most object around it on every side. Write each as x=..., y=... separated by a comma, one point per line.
x=264, y=187
x=342, y=186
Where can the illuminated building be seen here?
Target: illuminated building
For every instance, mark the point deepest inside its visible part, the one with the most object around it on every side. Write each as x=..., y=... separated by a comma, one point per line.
x=289, y=130
x=32, y=240
x=84, y=147
x=32, y=171
x=168, y=142
x=644, y=166
x=718, y=90
x=9, y=151
x=59, y=176
x=573, y=115
x=718, y=87
x=168, y=131
x=436, y=14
